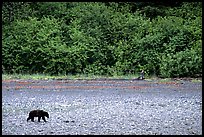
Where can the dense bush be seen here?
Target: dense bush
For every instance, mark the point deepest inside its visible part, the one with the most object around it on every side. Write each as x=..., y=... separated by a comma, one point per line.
x=181, y=64
x=102, y=38
x=30, y=44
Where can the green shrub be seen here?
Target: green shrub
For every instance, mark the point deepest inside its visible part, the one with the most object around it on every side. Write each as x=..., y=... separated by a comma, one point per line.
x=181, y=64
x=102, y=38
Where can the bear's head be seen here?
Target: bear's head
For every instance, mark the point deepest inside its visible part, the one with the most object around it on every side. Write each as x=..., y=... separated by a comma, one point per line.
x=46, y=114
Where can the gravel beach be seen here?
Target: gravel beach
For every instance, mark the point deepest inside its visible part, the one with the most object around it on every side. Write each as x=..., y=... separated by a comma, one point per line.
x=102, y=107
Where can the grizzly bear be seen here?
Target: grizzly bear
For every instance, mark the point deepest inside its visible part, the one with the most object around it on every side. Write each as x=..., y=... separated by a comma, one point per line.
x=38, y=113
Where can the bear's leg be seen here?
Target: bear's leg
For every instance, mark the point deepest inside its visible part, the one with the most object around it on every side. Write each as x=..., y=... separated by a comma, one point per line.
x=28, y=118
x=44, y=118
x=39, y=118
x=32, y=119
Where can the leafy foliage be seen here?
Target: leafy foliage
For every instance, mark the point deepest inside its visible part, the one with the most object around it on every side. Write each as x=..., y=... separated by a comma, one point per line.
x=181, y=64
x=102, y=38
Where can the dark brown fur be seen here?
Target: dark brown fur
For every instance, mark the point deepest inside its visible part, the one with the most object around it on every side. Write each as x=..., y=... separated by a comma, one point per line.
x=39, y=114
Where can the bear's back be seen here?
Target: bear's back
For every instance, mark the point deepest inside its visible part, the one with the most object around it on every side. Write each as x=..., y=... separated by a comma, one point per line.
x=36, y=112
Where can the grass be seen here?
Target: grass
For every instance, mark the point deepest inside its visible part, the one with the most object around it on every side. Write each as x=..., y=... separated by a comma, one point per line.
x=72, y=77
x=196, y=80
x=83, y=77
x=26, y=76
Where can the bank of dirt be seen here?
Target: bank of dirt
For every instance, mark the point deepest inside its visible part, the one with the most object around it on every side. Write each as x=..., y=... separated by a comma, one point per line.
x=102, y=107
